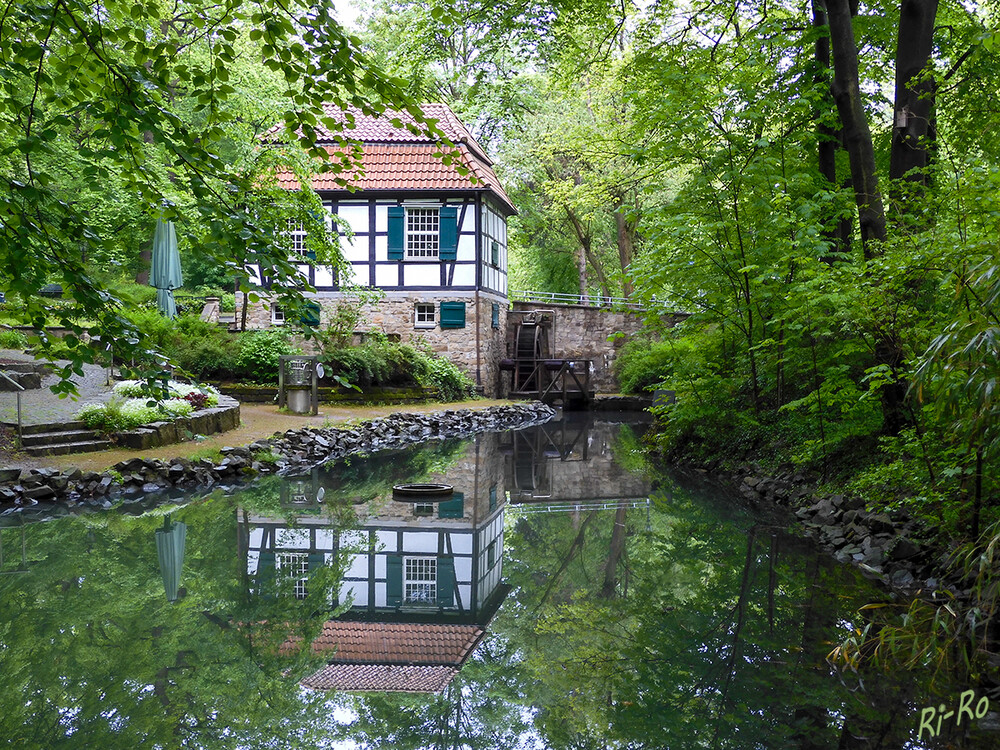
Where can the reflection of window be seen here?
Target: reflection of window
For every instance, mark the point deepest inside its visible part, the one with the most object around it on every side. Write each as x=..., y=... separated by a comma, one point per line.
x=423, y=315
x=277, y=315
x=422, y=232
x=294, y=565
x=420, y=580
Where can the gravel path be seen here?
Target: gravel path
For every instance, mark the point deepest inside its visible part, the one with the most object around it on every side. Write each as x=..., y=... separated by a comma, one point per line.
x=41, y=406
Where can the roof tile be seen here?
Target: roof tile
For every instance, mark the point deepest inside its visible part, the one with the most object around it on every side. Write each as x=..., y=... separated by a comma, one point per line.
x=394, y=158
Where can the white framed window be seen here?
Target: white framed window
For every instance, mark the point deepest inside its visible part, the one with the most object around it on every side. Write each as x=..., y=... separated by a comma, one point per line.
x=420, y=580
x=424, y=315
x=423, y=227
x=297, y=237
x=277, y=314
x=423, y=509
x=294, y=565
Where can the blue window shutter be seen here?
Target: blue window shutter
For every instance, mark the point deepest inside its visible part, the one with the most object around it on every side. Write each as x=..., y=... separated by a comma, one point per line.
x=496, y=314
x=493, y=497
x=394, y=580
x=316, y=560
x=454, y=508
x=495, y=253
x=265, y=574
x=453, y=315
x=448, y=228
x=397, y=235
x=446, y=582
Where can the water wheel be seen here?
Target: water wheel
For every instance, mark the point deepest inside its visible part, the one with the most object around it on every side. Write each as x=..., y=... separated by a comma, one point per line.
x=531, y=344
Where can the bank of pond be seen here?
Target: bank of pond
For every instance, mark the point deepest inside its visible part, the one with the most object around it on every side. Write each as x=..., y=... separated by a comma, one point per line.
x=563, y=592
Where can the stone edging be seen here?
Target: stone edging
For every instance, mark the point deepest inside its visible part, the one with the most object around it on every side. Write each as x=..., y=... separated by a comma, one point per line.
x=891, y=546
x=221, y=418
x=291, y=452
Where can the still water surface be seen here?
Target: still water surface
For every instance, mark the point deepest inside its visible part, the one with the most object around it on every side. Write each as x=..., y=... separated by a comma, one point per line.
x=567, y=595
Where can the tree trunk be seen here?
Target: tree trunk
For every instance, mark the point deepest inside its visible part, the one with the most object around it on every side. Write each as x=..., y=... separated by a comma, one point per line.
x=625, y=236
x=914, y=103
x=857, y=135
x=838, y=231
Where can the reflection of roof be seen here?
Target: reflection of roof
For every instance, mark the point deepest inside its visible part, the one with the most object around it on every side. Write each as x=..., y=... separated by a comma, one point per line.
x=394, y=158
x=397, y=657
x=397, y=643
x=394, y=678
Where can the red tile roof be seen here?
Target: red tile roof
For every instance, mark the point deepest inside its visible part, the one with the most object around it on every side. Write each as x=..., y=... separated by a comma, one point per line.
x=395, y=657
x=381, y=677
x=394, y=158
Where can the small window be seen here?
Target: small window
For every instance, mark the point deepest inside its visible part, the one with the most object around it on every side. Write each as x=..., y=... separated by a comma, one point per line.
x=420, y=580
x=277, y=315
x=295, y=565
x=423, y=509
x=495, y=253
x=423, y=315
x=496, y=315
x=422, y=232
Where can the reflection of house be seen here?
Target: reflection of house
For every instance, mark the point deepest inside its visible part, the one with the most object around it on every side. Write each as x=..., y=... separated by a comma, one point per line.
x=431, y=235
x=423, y=579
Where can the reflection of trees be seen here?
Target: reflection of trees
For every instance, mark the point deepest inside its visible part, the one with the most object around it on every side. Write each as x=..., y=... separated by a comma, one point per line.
x=717, y=640
x=94, y=655
x=481, y=708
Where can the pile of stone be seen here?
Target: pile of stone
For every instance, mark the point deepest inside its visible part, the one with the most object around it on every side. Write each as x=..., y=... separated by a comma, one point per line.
x=292, y=452
x=891, y=545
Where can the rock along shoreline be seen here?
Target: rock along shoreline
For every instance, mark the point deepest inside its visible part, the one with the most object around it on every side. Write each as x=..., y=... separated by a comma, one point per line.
x=889, y=545
x=293, y=452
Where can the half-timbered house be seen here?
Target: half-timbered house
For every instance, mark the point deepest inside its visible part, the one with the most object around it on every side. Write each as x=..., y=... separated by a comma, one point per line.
x=430, y=235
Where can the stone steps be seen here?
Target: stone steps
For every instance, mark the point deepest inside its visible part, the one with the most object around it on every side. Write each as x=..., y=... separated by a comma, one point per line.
x=60, y=439
x=61, y=449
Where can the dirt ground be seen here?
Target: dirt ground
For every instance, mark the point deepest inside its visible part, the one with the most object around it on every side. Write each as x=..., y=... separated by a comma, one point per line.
x=257, y=421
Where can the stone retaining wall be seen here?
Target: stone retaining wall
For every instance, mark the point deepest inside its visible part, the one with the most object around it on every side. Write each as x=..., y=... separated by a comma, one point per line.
x=582, y=332
x=221, y=418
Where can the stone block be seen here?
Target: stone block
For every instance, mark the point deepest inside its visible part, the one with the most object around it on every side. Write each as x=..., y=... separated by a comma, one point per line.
x=140, y=439
x=166, y=432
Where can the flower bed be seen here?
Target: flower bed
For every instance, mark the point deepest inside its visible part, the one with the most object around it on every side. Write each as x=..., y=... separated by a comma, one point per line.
x=133, y=405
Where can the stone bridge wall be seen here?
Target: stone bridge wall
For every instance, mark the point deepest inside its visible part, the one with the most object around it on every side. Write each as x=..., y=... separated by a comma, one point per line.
x=582, y=331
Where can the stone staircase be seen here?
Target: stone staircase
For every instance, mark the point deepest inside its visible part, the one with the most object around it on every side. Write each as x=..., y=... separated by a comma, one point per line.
x=60, y=439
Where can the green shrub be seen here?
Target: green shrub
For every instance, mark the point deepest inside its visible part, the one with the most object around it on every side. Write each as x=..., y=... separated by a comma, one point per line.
x=452, y=383
x=11, y=339
x=380, y=362
x=257, y=359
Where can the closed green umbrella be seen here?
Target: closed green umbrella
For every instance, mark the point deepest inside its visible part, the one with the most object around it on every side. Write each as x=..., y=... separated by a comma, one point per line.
x=165, y=267
x=170, y=551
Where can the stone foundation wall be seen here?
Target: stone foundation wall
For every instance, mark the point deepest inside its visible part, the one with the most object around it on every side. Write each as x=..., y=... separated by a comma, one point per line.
x=393, y=316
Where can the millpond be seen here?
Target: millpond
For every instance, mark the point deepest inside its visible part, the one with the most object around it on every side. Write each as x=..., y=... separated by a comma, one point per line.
x=559, y=592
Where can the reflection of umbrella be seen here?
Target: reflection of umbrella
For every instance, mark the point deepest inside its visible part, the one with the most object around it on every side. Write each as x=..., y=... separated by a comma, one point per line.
x=170, y=550
x=165, y=267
